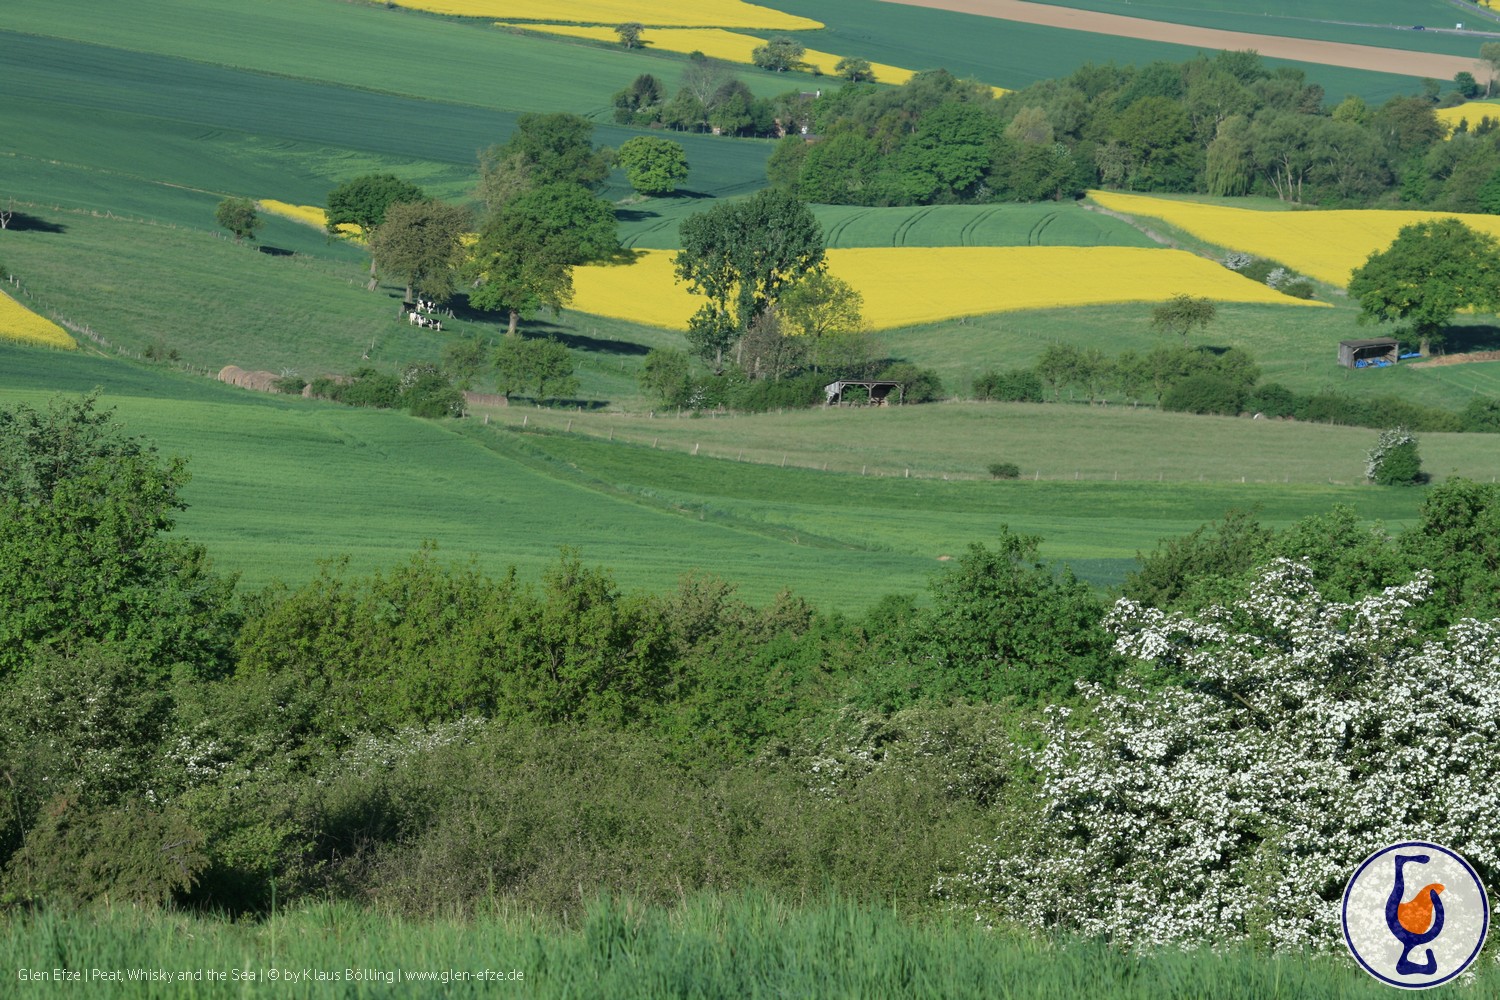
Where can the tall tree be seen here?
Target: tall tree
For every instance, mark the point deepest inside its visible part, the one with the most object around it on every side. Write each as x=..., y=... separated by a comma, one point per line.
x=421, y=244
x=1429, y=272
x=363, y=202
x=653, y=166
x=826, y=310
x=543, y=366
x=239, y=216
x=779, y=54
x=551, y=149
x=1181, y=313
x=1489, y=53
x=740, y=256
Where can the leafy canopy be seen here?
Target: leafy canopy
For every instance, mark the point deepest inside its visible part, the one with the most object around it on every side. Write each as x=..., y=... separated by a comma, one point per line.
x=1429, y=272
x=363, y=201
x=740, y=256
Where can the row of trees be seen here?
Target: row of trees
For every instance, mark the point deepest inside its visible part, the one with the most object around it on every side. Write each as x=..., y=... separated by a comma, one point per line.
x=1221, y=125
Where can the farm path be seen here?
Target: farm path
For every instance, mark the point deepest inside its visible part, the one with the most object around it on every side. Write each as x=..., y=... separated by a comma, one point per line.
x=1369, y=57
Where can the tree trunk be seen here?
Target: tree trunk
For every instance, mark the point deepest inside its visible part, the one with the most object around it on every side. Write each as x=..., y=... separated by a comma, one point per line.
x=515, y=319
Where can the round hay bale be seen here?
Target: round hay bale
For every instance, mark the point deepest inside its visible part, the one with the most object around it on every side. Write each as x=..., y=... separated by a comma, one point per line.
x=229, y=373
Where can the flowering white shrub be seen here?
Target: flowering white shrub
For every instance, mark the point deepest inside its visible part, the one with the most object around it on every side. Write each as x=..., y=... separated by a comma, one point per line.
x=1238, y=261
x=1235, y=804
x=1278, y=277
x=1388, y=442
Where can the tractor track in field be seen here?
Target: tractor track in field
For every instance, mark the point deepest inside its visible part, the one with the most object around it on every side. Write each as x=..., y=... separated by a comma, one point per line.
x=1034, y=237
x=965, y=235
x=898, y=238
x=835, y=234
x=1374, y=58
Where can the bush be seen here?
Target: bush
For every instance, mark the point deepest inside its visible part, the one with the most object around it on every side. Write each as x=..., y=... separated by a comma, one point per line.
x=1236, y=796
x=1394, y=460
x=1298, y=288
x=1019, y=385
x=1481, y=415
x=370, y=388
x=292, y=385
x=1005, y=470
x=1206, y=392
x=789, y=393
x=1273, y=399
x=434, y=397
x=922, y=385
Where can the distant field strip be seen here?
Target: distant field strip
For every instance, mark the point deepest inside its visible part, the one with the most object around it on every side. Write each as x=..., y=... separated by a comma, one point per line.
x=1325, y=244
x=1368, y=57
x=722, y=13
x=718, y=43
x=1046, y=224
x=21, y=324
x=308, y=215
x=902, y=287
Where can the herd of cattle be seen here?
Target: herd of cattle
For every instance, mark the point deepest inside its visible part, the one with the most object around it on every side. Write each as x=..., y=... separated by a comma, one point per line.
x=419, y=316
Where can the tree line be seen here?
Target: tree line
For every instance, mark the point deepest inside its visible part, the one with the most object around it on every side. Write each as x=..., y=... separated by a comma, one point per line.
x=1221, y=125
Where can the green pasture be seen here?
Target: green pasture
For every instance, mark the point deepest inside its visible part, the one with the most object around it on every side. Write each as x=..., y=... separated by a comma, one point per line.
x=749, y=946
x=1049, y=441
x=654, y=225
x=1294, y=345
x=280, y=483
x=1013, y=55
x=363, y=46
x=1383, y=23
x=90, y=126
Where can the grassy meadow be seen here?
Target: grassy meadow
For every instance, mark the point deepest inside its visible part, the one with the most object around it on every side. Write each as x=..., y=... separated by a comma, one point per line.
x=751, y=946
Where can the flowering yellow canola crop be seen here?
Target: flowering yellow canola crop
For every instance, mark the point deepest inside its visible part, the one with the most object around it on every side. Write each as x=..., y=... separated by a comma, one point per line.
x=717, y=43
x=308, y=215
x=724, y=13
x=1472, y=111
x=1324, y=244
x=19, y=323
x=909, y=285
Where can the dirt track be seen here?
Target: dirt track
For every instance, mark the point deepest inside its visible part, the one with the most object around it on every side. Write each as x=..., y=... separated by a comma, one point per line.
x=1419, y=64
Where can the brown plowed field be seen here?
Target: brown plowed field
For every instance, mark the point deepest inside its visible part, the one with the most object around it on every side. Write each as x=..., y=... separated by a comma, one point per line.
x=1420, y=64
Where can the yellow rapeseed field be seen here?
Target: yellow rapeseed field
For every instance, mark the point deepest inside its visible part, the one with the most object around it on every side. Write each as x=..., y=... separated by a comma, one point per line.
x=19, y=323
x=1324, y=244
x=1473, y=111
x=731, y=46
x=308, y=215
x=666, y=13
x=903, y=286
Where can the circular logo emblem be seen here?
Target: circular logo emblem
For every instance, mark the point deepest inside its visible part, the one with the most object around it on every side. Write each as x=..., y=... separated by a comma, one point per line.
x=1415, y=915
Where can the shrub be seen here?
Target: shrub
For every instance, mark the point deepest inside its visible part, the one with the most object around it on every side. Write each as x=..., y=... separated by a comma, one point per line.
x=434, y=397
x=1018, y=385
x=789, y=393
x=1273, y=399
x=370, y=388
x=292, y=385
x=922, y=385
x=1205, y=392
x=1298, y=288
x=1394, y=460
x=1005, y=470
x=1481, y=415
x=1247, y=797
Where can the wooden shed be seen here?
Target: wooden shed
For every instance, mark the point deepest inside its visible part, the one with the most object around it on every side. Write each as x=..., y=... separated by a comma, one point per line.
x=1379, y=352
x=880, y=392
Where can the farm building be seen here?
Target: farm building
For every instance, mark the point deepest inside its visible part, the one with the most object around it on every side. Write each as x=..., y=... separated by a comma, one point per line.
x=1375, y=353
x=879, y=392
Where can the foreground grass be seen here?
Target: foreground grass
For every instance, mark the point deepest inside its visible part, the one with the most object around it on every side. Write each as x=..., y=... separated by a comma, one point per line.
x=747, y=946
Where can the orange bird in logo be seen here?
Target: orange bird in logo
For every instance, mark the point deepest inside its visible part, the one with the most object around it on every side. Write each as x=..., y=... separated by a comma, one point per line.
x=1416, y=915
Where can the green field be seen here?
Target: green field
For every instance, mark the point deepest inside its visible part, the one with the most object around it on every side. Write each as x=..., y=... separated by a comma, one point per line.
x=654, y=225
x=279, y=484
x=1383, y=23
x=1013, y=55
x=711, y=946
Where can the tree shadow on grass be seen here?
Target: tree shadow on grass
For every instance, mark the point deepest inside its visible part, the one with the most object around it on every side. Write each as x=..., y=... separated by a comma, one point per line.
x=586, y=405
x=276, y=251
x=20, y=222
x=1466, y=339
x=582, y=342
